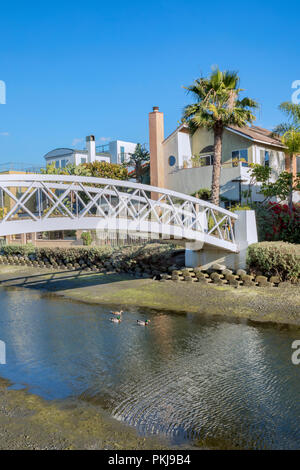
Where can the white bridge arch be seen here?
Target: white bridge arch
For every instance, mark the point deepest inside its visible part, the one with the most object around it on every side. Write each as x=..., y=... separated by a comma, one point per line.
x=37, y=203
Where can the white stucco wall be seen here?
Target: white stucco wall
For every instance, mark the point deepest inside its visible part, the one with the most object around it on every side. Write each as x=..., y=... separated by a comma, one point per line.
x=115, y=150
x=184, y=147
x=179, y=146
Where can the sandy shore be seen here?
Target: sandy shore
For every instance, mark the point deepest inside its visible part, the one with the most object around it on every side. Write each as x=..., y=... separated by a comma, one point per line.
x=277, y=305
x=29, y=422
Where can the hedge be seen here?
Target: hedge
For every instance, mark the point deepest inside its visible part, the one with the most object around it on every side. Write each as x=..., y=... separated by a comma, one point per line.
x=275, y=258
x=152, y=257
x=23, y=250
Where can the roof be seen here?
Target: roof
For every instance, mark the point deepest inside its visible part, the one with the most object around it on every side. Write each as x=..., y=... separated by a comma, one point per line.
x=64, y=152
x=182, y=127
x=144, y=166
x=254, y=133
x=257, y=134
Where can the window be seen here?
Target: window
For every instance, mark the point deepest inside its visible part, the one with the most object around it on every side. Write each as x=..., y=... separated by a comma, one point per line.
x=206, y=160
x=63, y=163
x=122, y=151
x=83, y=160
x=264, y=157
x=267, y=158
x=240, y=156
x=57, y=164
x=172, y=160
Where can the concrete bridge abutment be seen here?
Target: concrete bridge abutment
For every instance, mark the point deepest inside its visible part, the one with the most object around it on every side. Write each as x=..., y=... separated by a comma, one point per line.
x=204, y=255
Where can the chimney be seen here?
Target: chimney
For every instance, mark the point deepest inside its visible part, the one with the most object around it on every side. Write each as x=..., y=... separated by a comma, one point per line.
x=156, y=137
x=91, y=148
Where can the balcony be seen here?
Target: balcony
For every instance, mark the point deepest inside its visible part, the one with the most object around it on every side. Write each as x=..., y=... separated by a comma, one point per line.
x=207, y=160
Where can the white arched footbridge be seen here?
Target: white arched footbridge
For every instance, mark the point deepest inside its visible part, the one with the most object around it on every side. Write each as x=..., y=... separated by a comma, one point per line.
x=37, y=203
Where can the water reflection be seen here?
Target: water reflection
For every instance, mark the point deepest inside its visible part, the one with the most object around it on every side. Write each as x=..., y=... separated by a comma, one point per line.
x=191, y=378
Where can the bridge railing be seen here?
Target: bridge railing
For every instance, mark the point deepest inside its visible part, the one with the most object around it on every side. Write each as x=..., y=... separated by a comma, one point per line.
x=43, y=198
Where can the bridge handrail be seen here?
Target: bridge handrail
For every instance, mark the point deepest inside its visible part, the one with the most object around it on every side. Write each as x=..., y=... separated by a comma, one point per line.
x=120, y=183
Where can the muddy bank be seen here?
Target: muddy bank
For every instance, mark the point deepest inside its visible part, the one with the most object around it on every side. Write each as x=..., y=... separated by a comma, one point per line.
x=256, y=304
x=29, y=422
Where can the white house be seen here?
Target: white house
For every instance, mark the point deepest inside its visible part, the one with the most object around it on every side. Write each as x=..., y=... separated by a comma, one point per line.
x=117, y=151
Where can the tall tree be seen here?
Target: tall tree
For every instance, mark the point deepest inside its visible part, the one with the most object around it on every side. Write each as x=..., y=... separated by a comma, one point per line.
x=137, y=158
x=289, y=132
x=218, y=104
x=291, y=139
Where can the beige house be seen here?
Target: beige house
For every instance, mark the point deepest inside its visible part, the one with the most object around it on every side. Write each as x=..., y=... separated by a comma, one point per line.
x=183, y=162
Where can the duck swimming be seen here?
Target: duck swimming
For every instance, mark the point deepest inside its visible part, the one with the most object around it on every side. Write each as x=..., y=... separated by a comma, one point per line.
x=116, y=320
x=143, y=322
x=117, y=313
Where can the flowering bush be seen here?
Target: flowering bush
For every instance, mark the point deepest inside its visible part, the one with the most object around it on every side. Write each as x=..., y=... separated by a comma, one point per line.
x=277, y=222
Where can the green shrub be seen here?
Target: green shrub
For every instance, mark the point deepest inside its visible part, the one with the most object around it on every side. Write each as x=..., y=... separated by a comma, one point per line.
x=239, y=207
x=275, y=258
x=87, y=238
x=203, y=193
x=23, y=250
x=73, y=255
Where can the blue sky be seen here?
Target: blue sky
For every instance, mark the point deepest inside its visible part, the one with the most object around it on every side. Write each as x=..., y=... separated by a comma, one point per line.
x=74, y=68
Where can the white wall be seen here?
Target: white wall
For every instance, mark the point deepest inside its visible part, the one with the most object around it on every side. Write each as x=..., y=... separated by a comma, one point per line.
x=115, y=150
x=184, y=147
x=103, y=158
x=179, y=146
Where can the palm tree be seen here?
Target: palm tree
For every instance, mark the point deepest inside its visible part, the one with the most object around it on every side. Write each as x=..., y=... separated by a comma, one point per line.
x=218, y=105
x=290, y=135
x=291, y=139
x=140, y=156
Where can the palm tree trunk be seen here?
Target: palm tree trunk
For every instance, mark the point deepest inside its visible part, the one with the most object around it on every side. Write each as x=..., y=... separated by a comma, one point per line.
x=290, y=198
x=215, y=187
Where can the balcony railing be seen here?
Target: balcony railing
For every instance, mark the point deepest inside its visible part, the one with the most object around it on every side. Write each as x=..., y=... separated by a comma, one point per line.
x=123, y=157
x=102, y=148
x=19, y=166
x=208, y=161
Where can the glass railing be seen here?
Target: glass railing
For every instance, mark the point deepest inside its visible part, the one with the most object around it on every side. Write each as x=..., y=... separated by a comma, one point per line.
x=205, y=161
x=19, y=166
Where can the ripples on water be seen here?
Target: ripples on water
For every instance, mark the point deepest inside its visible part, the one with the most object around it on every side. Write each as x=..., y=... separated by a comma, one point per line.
x=193, y=379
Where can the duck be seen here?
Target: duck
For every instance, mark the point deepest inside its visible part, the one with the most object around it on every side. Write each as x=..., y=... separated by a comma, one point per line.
x=143, y=322
x=116, y=320
x=118, y=313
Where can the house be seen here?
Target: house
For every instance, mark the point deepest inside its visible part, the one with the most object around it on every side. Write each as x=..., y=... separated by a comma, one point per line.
x=117, y=151
x=183, y=162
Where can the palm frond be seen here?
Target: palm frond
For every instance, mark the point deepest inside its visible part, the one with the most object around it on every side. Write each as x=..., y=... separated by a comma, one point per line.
x=281, y=129
x=292, y=110
x=217, y=100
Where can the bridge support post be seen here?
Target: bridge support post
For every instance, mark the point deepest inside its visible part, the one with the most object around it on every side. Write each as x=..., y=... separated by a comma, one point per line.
x=245, y=234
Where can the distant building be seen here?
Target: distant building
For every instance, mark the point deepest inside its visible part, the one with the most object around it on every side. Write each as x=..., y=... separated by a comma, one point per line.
x=117, y=151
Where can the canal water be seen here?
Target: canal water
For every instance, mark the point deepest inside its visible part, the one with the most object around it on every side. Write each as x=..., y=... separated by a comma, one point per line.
x=198, y=380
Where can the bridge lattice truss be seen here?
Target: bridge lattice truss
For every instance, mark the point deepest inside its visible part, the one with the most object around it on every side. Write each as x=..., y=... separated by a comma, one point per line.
x=36, y=203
